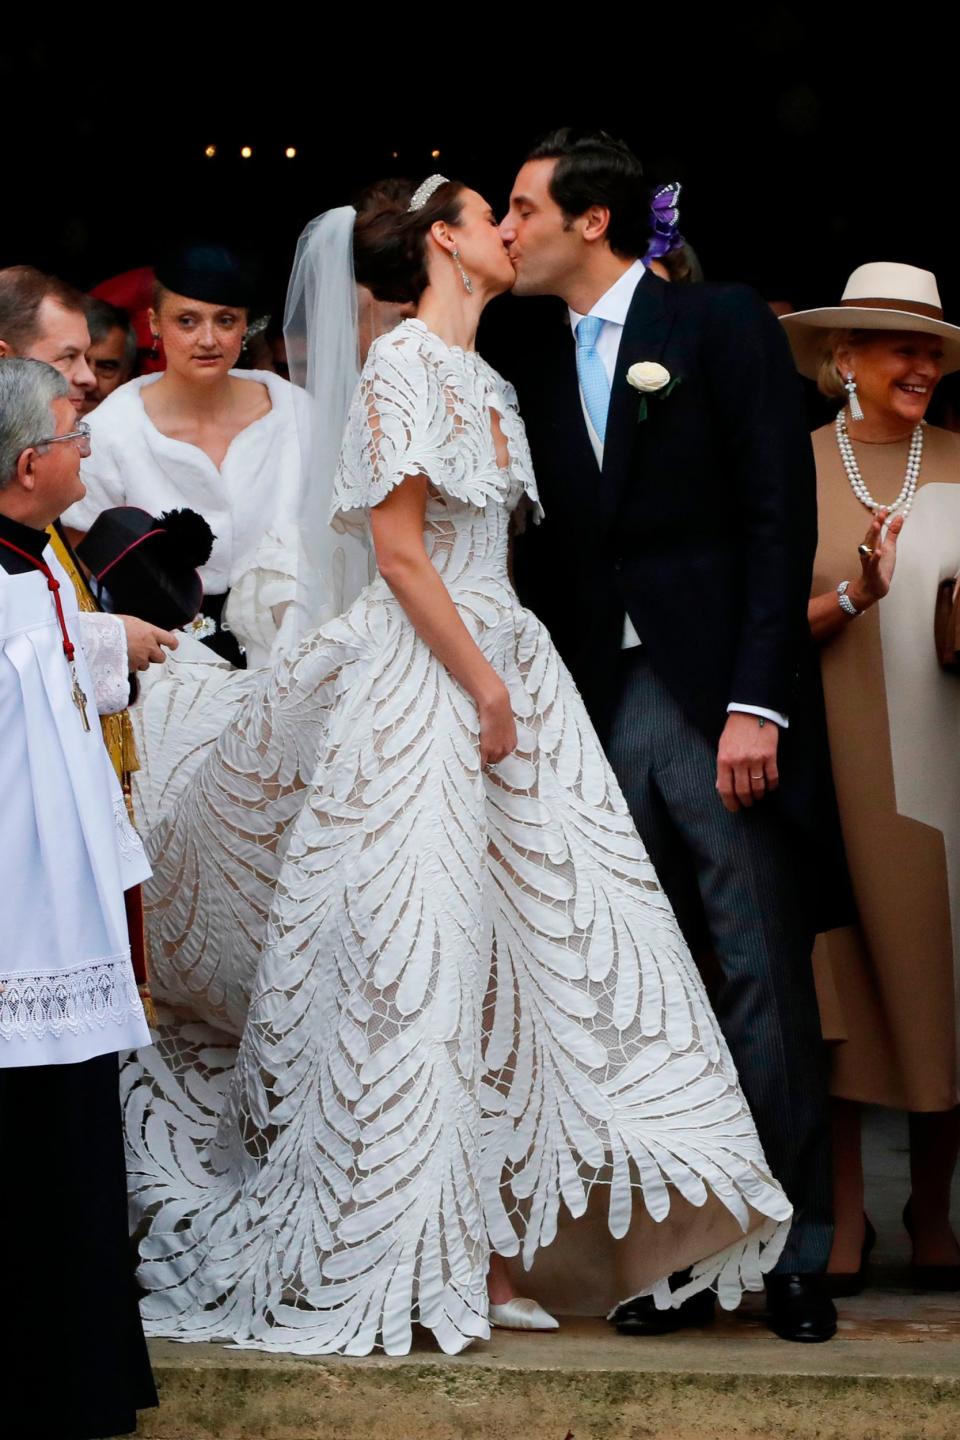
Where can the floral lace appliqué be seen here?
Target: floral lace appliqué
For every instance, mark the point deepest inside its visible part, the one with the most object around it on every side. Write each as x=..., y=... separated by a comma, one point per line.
x=423, y=408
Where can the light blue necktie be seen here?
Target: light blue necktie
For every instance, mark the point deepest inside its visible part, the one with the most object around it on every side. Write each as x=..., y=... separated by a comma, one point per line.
x=592, y=376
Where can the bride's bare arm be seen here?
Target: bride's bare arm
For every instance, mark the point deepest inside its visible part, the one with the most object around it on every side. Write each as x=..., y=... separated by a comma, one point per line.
x=397, y=526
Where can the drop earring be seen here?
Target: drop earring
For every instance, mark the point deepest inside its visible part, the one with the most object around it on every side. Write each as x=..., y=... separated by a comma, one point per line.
x=154, y=351
x=853, y=400
x=467, y=282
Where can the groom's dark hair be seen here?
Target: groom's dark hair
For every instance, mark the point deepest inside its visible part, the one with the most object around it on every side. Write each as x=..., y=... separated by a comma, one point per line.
x=595, y=169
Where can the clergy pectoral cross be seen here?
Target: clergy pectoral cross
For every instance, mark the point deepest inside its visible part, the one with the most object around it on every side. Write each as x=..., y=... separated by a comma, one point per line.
x=79, y=698
x=53, y=585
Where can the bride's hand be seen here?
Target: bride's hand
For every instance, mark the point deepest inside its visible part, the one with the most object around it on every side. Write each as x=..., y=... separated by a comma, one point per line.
x=498, y=729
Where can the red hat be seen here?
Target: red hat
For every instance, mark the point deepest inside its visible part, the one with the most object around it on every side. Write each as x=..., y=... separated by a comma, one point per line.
x=133, y=292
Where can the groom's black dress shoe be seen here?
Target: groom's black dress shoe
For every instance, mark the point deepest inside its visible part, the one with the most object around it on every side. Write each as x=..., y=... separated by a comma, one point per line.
x=799, y=1309
x=641, y=1317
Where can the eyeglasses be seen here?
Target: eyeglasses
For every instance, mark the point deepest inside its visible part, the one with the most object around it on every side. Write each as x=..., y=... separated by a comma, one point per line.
x=80, y=437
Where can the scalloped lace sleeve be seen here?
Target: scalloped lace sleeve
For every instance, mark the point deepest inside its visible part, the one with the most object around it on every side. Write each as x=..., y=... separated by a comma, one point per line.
x=397, y=425
x=104, y=642
x=421, y=408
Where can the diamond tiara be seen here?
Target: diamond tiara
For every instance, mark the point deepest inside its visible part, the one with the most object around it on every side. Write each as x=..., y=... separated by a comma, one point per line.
x=421, y=196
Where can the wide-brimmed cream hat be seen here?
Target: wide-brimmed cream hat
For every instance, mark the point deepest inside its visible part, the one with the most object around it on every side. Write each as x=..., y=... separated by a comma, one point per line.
x=880, y=296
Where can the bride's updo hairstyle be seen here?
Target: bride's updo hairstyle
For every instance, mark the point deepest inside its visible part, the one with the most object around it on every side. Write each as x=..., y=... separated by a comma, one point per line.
x=390, y=239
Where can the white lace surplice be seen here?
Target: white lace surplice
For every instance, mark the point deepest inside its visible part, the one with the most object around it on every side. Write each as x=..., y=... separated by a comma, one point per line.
x=461, y=997
x=104, y=642
x=67, y=989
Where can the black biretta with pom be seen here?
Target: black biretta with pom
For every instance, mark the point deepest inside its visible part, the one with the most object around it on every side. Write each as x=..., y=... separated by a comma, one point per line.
x=148, y=563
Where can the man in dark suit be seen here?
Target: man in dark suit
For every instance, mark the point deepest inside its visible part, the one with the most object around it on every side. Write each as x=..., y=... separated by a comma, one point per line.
x=673, y=569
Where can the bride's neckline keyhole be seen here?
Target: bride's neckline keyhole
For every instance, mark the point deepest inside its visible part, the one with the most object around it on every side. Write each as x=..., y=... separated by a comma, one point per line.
x=500, y=447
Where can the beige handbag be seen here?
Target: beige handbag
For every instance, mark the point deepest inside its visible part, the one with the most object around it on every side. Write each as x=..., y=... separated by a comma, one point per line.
x=946, y=625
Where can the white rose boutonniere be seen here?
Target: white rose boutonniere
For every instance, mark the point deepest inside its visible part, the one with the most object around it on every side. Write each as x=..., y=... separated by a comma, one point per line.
x=650, y=378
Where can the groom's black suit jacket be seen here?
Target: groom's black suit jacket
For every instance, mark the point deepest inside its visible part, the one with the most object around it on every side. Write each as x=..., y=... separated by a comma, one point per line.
x=701, y=524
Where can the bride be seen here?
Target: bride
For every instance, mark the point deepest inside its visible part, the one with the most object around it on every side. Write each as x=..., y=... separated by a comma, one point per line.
x=426, y=1007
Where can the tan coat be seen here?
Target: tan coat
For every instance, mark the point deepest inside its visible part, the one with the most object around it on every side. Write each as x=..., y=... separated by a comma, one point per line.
x=887, y=986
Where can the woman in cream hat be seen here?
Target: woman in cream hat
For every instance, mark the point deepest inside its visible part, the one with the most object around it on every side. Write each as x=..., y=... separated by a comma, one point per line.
x=889, y=502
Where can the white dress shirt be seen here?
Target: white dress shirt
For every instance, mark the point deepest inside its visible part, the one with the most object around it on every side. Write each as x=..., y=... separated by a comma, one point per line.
x=612, y=308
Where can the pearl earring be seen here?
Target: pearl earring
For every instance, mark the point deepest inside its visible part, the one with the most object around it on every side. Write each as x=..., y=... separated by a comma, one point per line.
x=467, y=282
x=856, y=409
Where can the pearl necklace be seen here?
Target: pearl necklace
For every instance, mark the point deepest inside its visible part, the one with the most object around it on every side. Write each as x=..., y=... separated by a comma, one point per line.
x=904, y=500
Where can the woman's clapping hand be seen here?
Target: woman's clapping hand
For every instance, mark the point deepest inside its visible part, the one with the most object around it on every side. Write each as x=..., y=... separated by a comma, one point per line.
x=878, y=566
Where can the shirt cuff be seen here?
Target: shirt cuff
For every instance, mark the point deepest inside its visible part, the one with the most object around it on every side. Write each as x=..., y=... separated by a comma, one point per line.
x=630, y=639
x=774, y=715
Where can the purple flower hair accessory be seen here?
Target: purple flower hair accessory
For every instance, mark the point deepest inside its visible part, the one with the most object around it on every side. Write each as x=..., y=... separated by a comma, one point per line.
x=665, y=221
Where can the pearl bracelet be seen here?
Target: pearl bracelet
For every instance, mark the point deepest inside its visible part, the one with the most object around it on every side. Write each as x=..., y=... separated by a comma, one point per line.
x=846, y=604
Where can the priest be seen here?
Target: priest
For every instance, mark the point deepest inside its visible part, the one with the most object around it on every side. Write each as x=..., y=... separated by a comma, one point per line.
x=74, y=1351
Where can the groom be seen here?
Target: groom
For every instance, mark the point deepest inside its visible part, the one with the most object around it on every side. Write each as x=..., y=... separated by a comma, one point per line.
x=672, y=570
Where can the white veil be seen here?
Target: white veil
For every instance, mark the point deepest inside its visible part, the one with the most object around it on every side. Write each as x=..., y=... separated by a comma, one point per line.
x=320, y=328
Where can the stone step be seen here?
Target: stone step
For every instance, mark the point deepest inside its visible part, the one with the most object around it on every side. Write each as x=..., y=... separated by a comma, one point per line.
x=892, y=1373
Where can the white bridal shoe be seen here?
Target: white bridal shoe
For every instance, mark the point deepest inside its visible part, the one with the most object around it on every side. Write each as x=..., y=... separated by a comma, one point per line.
x=520, y=1314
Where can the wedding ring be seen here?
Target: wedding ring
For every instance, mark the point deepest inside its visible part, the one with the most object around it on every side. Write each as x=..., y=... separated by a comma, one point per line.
x=761, y=776
x=864, y=550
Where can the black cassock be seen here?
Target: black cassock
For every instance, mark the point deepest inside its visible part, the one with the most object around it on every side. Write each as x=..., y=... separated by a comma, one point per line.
x=74, y=1355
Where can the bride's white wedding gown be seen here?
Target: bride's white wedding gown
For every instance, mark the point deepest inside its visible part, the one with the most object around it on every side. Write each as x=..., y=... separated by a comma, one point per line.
x=461, y=998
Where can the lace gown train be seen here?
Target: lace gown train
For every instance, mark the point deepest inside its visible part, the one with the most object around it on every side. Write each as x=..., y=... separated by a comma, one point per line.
x=413, y=1009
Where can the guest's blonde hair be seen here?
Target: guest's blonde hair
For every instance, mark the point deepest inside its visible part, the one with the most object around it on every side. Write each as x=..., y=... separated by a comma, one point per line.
x=829, y=380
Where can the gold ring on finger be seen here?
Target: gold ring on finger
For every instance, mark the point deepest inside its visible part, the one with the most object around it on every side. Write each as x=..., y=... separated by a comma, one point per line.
x=865, y=550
